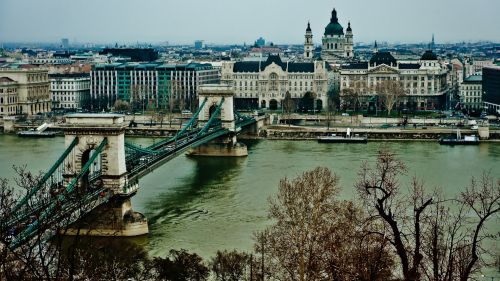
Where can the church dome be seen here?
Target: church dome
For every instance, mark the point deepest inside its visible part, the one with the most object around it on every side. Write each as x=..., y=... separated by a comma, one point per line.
x=429, y=55
x=334, y=27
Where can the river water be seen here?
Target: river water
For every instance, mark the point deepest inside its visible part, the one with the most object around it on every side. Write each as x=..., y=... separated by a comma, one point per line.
x=208, y=204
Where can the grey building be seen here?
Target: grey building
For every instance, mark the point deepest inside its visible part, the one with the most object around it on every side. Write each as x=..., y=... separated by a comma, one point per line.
x=491, y=88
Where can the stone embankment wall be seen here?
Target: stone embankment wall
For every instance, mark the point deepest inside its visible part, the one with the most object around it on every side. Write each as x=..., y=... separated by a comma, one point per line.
x=301, y=133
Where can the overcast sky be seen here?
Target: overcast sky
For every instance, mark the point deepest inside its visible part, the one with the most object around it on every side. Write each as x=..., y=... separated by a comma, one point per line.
x=238, y=21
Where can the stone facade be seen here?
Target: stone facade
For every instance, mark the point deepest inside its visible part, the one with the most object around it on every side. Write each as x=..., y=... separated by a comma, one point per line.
x=424, y=80
x=471, y=93
x=9, y=97
x=32, y=89
x=69, y=91
x=264, y=84
x=214, y=95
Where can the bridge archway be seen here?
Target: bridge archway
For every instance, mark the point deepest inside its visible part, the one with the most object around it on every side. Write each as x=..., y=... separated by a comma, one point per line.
x=211, y=110
x=210, y=97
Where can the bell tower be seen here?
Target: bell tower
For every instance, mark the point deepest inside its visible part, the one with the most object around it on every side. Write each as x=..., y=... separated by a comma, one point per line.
x=308, y=44
x=349, y=45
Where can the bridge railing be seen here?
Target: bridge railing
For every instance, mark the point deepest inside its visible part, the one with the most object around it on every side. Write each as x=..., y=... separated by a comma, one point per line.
x=56, y=170
x=58, y=200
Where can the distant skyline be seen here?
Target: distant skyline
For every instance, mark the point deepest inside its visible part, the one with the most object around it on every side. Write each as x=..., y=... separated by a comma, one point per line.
x=236, y=22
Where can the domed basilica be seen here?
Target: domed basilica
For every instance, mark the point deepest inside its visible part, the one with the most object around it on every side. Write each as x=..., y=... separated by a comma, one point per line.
x=337, y=46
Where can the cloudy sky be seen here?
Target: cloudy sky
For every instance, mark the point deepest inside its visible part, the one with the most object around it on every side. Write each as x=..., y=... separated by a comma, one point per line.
x=238, y=21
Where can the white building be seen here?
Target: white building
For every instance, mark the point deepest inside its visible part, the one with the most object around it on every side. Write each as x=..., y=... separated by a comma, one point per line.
x=471, y=92
x=264, y=84
x=424, y=81
x=69, y=90
x=337, y=46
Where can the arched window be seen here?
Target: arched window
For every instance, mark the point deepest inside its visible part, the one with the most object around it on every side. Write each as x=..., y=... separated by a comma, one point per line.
x=335, y=46
x=273, y=82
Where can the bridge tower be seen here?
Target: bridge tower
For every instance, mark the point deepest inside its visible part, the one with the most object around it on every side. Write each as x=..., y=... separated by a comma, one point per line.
x=227, y=145
x=116, y=217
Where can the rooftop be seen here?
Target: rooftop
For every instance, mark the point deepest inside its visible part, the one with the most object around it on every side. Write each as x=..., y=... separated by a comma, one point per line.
x=6, y=80
x=153, y=66
x=383, y=58
x=474, y=78
x=69, y=75
x=255, y=66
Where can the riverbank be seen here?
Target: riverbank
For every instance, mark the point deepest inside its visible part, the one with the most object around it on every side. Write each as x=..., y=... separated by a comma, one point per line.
x=291, y=132
x=284, y=132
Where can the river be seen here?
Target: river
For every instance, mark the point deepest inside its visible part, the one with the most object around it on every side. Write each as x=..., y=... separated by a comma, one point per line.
x=207, y=204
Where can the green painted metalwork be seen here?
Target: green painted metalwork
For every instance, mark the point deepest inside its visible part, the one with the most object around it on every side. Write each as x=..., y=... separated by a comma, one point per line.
x=212, y=118
x=46, y=176
x=179, y=134
x=141, y=149
x=193, y=119
x=59, y=199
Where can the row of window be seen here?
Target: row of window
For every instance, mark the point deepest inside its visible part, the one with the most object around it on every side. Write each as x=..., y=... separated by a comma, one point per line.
x=471, y=93
x=41, y=77
x=8, y=100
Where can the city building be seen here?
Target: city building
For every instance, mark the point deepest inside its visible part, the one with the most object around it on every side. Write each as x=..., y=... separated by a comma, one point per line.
x=32, y=88
x=69, y=90
x=424, y=80
x=198, y=44
x=135, y=54
x=260, y=42
x=491, y=88
x=50, y=61
x=264, y=84
x=149, y=83
x=65, y=43
x=471, y=93
x=479, y=64
x=337, y=46
x=9, y=97
x=308, y=44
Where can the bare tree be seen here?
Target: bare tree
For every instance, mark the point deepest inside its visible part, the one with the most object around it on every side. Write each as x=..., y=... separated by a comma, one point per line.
x=431, y=240
x=390, y=92
x=379, y=189
x=317, y=237
x=230, y=266
x=288, y=106
x=122, y=106
x=302, y=209
x=482, y=199
x=333, y=104
x=350, y=99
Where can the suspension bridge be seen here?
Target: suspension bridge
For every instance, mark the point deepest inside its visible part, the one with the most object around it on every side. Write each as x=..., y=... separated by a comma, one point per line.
x=99, y=171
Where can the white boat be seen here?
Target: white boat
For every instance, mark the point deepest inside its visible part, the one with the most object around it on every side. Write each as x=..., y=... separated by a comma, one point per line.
x=333, y=138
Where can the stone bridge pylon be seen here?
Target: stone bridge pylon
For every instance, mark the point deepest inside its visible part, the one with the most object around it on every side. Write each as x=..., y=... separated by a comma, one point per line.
x=226, y=145
x=115, y=217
